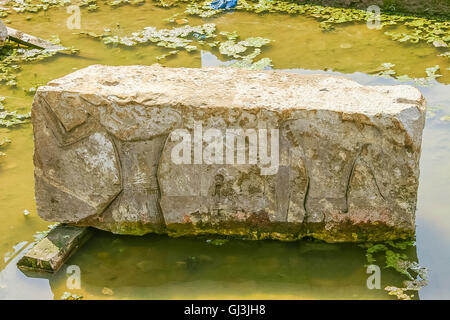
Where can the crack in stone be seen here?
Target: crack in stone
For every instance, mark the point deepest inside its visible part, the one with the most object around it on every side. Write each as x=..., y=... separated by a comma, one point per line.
x=350, y=176
x=305, y=199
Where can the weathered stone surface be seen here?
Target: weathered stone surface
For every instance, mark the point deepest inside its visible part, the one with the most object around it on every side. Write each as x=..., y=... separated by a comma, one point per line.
x=49, y=254
x=108, y=149
x=32, y=41
x=3, y=33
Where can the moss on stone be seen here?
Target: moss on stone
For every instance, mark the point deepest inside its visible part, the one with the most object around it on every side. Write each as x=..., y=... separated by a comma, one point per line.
x=291, y=231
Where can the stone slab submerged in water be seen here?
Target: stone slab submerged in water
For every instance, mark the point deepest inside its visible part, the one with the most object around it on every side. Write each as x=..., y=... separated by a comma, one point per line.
x=253, y=154
x=50, y=253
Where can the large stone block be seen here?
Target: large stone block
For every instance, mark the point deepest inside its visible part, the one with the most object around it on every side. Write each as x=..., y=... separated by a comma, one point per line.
x=254, y=154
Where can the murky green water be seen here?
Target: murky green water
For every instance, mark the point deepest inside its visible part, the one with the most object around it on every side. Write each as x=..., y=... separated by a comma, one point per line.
x=158, y=267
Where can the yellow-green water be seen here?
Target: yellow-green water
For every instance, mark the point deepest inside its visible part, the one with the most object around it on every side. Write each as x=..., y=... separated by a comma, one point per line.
x=159, y=267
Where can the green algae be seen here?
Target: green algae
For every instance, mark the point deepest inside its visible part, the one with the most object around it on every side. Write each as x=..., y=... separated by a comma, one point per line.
x=418, y=276
x=397, y=261
x=262, y=64
x=230, y=35
x=202, y=10
x=396, y=258
x=433, y=31
x=175, y=38
x=235, y=49
x=32, y=6
x=420, y=29
x=386, y=70
x=374, y=249
x=217, y=242
x=11, y=118
x=71, y=296
x=398, y=27
x=11, y=57
x=189, y=38
x=402, y=28
x=232, y=49
x=35, y=6
x=116, y=3
x=431, y=72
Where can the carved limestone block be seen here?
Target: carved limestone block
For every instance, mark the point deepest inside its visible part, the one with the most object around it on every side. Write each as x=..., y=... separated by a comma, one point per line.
x=254, y=154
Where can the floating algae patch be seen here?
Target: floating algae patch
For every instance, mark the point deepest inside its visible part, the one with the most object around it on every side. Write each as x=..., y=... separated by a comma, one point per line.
x=11, y=58
x=418, y=276
x=35, y=6
x=398, y=27
x=71, y=296
x=412, y=29
x=396, y=258
x=31, y=6
x=189, y=38
x=11, y=118
x=386, y=70
x=415, y=29
x=237, y=49
x=262, y=64
x=176, y=38
x=247, y=62
x=202, y=10
x=116, y=3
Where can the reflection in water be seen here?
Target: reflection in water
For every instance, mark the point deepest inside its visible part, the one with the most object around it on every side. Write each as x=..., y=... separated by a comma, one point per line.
x=158, y=267
x=210, y=60
x=16, y=285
